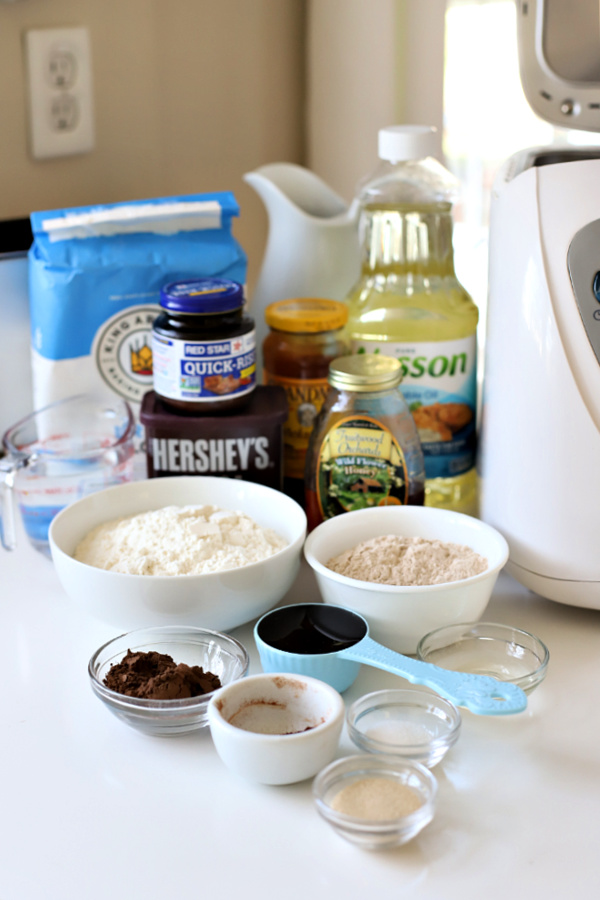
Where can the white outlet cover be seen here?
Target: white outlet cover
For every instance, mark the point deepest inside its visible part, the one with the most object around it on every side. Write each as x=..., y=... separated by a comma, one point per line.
x=61, y=113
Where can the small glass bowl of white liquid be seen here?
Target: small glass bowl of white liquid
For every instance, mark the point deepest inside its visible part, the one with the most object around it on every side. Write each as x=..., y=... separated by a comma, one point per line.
x=415, y=724
x=488, y=648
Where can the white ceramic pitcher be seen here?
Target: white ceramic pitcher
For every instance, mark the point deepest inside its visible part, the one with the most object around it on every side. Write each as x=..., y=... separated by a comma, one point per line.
x=312, y=246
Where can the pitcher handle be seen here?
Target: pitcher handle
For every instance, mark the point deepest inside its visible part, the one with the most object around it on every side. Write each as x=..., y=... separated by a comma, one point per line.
x=8, y=516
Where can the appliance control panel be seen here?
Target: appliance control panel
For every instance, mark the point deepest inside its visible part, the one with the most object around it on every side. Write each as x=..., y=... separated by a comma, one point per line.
x=583, y=262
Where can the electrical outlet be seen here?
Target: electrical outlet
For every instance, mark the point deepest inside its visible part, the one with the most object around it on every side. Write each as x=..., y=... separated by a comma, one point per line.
x=61, y=115
x=62, y=68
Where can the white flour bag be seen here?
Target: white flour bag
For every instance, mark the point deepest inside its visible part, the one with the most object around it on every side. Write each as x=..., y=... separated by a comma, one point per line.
x=95, y=275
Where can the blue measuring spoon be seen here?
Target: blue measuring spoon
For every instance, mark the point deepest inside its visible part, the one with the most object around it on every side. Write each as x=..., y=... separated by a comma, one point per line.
x=331, y=642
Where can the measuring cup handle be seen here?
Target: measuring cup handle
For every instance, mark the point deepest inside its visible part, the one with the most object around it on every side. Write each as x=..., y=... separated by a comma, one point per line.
x=479, y=693
x=8, y=523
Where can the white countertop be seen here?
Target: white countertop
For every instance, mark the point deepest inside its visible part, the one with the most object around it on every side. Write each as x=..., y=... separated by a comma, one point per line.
x=91, y=809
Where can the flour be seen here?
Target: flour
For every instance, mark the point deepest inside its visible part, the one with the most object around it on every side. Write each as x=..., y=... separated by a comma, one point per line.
x=178, y=540
x=408, y=561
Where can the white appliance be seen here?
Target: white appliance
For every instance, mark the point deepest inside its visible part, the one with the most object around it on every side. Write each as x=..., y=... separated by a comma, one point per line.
x=540, y=440
x=559, y=60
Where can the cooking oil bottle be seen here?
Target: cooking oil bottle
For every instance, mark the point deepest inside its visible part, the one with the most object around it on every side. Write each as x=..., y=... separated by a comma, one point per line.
x=409, y=304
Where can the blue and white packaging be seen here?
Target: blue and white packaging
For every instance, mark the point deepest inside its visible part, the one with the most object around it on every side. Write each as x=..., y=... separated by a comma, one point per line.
x=95, y=275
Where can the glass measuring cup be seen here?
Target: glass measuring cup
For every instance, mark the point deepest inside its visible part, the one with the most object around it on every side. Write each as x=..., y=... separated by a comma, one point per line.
x=330, y=643
x=58, y=454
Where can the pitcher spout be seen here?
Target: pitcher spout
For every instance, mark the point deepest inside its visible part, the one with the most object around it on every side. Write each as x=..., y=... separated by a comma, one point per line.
x=288, y=189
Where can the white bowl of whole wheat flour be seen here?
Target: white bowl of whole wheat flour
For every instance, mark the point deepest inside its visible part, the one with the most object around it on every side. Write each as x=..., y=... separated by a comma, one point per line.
x=202, y=551
x=444, y=565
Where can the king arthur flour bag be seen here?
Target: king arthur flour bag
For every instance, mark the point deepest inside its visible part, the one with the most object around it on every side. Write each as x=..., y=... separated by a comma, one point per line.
x=95, y=275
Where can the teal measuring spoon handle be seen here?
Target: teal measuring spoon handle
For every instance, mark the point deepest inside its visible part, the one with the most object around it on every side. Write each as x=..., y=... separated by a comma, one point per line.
x=481, y=694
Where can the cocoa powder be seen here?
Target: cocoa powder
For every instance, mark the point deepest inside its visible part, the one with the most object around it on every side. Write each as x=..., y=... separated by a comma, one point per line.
x=156, y=676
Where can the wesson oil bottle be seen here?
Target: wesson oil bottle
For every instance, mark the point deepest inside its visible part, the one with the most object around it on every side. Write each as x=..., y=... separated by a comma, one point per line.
x=410, y=305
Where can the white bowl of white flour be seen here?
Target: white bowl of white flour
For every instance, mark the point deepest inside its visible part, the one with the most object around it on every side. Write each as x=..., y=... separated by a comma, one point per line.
x=203, y=551
x=407, y=569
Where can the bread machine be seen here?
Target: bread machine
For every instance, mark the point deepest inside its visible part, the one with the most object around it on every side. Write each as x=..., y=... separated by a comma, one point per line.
x=540, y=438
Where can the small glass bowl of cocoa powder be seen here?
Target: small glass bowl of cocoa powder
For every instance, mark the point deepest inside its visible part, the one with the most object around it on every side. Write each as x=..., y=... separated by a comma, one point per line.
x=160, y=680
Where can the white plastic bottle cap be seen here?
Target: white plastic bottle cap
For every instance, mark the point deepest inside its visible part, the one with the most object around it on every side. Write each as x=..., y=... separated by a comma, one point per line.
x=401, y=142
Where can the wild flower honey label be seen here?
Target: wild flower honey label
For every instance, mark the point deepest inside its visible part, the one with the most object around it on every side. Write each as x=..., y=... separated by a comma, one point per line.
x=361, y=464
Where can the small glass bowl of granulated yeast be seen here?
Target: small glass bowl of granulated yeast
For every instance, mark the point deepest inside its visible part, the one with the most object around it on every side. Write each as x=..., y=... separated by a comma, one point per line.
x=376, y=802
x=160, y=680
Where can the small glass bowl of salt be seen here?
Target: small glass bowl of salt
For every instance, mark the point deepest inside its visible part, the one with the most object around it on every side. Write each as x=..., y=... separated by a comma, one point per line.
x=413, y=724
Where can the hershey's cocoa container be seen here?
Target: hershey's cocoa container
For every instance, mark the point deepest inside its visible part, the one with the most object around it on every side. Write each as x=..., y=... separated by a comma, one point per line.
x=248, y=445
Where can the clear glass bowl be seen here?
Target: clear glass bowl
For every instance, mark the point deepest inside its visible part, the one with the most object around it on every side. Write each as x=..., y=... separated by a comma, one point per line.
x=380, y=833
x=217, y=653
x=488, y=648
x=413, y=724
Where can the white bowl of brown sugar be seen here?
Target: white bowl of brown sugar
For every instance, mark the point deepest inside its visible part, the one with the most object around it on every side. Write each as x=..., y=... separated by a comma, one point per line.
x=407, y=569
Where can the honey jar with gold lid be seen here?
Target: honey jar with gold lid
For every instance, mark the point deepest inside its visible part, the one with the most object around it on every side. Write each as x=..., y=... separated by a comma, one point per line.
x=364, y=450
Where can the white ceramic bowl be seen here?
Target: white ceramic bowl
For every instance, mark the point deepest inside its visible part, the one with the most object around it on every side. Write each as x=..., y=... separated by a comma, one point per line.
x=276, y=728
x=399, y=616
x=215, y=600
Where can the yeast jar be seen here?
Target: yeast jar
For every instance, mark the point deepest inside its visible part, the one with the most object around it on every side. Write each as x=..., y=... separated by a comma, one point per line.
x=203, y=347
x=305, y=336
x=364, y=449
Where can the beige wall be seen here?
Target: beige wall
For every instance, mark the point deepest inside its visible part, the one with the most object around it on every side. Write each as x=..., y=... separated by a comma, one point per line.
x=354, y=72
x=189, y=95
x=371, y=63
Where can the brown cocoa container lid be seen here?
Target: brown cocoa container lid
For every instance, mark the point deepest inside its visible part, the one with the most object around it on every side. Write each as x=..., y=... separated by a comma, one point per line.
x=267, y=406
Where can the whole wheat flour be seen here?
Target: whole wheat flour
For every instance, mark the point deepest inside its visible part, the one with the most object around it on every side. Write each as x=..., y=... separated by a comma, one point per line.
x=408, y=561
x=178, y=540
